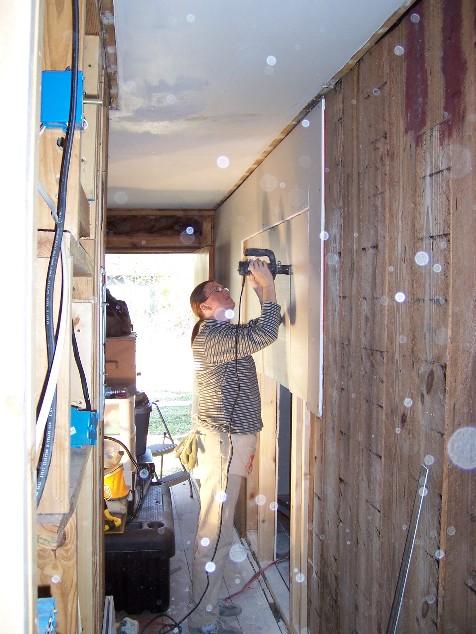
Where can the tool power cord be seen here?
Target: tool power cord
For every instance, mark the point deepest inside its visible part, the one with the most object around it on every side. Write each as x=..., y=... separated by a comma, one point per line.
x=165, y=629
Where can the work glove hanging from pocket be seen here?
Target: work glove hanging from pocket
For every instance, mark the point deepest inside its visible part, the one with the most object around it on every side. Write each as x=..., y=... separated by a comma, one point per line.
x=186, y=451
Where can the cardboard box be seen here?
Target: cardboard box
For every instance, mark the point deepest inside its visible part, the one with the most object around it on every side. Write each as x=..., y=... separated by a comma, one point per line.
x=121, y=361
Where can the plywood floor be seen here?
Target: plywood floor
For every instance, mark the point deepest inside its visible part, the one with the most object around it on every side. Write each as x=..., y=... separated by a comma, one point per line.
x=257, y=604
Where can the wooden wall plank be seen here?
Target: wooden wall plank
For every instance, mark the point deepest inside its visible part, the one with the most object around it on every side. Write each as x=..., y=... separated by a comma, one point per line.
x=83, y=324
x=92, y=17
x=325, y=606
x=56, y=493
x=457, y=605
x=266, y=464
x=90, y=569
x=56, y=55
x=57, y=568
x=91, y=136
x=298, y=606
x=399, y=376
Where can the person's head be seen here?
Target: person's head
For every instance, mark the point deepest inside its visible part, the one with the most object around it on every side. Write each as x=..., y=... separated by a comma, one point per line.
x=211, y=300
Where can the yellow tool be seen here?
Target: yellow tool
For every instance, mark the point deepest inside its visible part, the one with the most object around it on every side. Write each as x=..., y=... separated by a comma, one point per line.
x=115, y=486
x=111, y=519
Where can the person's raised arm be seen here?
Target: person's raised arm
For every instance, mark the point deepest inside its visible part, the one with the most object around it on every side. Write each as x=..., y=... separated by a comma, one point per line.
x=262, y=281
x=222, y=343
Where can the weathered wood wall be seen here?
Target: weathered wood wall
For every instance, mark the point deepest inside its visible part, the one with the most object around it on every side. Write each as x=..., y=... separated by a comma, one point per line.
x=399, y=377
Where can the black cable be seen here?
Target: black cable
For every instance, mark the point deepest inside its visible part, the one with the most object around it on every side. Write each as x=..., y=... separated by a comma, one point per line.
x=46, y=451
x=175, y=624
x=82, y=374
x=50, y=428
x=135, y=506
x=195, y=607
x=119, y=442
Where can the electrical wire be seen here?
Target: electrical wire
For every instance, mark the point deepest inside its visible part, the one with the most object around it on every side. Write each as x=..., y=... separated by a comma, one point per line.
x=170, y=628
x=49, y=389
x=137, y=505
x=51, y=339
x=82, y=374
x=175, y=624
x=45, y=428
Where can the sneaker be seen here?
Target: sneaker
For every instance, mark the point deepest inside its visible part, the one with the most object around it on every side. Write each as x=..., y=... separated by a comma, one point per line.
x=215, y=628
x=227, y=609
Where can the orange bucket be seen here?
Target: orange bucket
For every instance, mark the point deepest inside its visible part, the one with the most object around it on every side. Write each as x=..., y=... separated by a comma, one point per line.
x=115, y=486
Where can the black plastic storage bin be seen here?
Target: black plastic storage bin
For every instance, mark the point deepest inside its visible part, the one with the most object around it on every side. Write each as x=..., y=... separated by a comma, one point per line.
x=142, y=412
x=138, y=561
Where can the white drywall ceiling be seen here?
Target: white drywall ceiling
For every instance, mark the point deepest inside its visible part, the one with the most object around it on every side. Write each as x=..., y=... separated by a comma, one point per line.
x=203, y=79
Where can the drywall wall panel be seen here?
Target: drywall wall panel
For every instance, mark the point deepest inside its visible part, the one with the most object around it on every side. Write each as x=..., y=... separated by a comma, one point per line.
x=287, y=360
x=280, y=204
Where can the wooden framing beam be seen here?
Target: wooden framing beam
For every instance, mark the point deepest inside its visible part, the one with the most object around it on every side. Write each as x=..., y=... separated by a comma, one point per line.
x=267, y=472
x=158, y=231
x=58, y=569
x=108, y=36
x=189, y=213
x=19, y=33
x=299, y=515
x=56, y=494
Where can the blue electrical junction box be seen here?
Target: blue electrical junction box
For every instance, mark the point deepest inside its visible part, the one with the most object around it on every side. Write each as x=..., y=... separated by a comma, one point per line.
x=46, y=614
x=55, y=98
x=83, y=428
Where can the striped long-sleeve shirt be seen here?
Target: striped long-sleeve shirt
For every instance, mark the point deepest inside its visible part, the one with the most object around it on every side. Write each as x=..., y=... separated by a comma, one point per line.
x=228, y=394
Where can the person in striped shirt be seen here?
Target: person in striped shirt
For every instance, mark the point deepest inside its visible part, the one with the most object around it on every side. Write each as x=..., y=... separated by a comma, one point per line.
x=228, y=419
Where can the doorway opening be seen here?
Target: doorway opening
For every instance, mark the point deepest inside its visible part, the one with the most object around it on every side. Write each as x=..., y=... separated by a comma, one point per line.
x=156, y=289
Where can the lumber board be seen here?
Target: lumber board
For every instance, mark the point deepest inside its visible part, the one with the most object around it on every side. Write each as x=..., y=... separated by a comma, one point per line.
x=81, y=263
x=56, y=493
x=84, y=213
x=126, y=212
x=83, y=325
x=90, y=528
x=147, y=243
x=92, y=65
x=56, y=55
x=91, y=136
x=49, y=173
x=266, y=464
x=54, y=523
x=457, y=606
x=252, y=491
x=57, y=568
x=298, y=516
x=92, y=18
x=108, y=38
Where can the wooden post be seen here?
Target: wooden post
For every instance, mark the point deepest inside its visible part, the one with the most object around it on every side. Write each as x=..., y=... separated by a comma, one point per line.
x=58, y=569
x=299, y=515
x=19, y=34
x=267, y=486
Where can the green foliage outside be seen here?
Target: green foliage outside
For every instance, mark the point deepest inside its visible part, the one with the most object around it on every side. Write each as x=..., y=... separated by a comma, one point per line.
x=177, y=417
